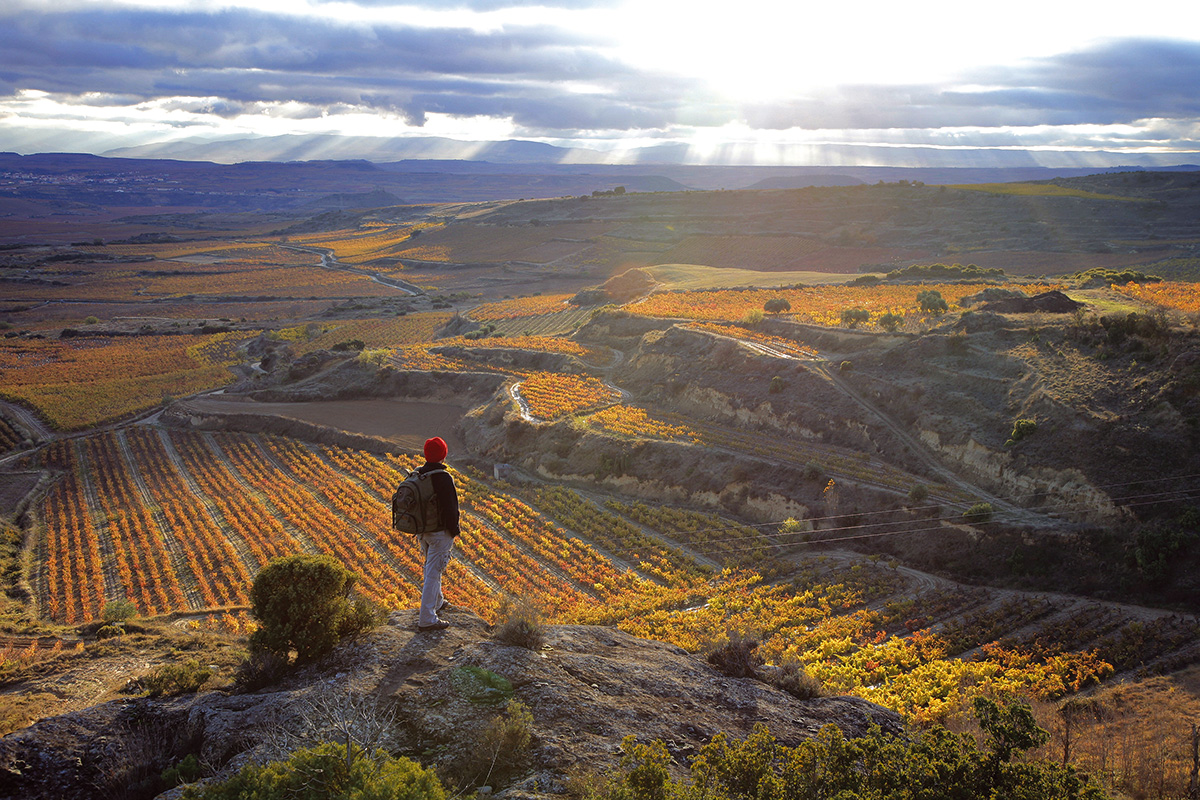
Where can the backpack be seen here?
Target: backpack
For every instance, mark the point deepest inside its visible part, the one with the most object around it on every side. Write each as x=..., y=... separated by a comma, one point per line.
x=414, y=504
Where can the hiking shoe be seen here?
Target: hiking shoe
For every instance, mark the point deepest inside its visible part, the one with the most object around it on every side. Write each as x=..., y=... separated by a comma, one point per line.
x=440, y=625
x=445, y=607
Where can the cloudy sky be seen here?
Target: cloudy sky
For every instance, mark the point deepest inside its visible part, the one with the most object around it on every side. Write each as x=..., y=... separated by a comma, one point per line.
x=755, y=81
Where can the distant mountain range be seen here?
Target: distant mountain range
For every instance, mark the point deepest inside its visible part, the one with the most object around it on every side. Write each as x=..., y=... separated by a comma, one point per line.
x=720, y=170
x=189, y=178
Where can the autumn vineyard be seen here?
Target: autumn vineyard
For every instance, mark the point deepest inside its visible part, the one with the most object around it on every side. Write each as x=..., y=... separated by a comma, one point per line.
x=886, y=482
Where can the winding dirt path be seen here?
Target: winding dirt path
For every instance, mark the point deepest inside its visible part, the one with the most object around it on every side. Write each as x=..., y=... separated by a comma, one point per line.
x=329, y=261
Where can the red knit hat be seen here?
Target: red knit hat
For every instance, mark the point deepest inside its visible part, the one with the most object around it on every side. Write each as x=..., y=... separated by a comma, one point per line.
x=435, y=449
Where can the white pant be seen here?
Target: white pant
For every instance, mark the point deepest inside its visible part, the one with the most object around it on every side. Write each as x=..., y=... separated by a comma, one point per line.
x=437, y=548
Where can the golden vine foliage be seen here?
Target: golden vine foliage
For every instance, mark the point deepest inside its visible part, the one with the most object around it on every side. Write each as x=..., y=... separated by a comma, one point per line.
x=378, y=332
x=633, y=421
x=820, y=305
x=551, y=395
x=520, y=307
x=1177, y=295
x=78, y=383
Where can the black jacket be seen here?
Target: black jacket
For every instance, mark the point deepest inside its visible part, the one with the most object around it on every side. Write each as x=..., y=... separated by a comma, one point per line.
x=447, y=496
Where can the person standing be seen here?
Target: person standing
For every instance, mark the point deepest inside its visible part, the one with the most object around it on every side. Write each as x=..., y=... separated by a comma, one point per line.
x=437, y=546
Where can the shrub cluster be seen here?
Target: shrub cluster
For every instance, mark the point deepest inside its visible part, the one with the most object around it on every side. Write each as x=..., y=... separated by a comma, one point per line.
x=327, y=771
x=305, y=603
x=930, y=764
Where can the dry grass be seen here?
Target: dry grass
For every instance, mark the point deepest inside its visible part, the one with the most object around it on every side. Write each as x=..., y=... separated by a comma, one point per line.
x=1135, y=737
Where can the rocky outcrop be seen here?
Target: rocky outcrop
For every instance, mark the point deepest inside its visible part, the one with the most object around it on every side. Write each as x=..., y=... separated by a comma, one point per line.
x=586, y=689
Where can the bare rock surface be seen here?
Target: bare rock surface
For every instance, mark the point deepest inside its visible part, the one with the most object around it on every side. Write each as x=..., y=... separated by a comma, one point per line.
x=586, y=688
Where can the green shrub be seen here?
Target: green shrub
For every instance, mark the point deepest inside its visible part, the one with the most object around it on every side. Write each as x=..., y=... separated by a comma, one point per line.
x=776, y=385
x=931, y=301
x=918, y=493
x=91, y=320
x=777, y=305
x=891, y=321
x=118, y=610
x=1022, y=429
x=980, y=512
x=853, y=316
x=172, y=679
x=375, y=357
x=933, y=763
x=305, y=603
x=500, y=752
x=327, y=771
x=186, y=771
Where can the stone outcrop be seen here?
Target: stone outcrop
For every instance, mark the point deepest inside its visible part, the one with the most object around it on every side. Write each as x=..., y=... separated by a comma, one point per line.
x=586, y=688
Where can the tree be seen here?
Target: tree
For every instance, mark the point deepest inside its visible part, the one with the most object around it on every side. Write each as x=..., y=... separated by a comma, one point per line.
x=305, y=603
x=932, y=302
x=853, y=316
x=777, y=305
x=891, y=321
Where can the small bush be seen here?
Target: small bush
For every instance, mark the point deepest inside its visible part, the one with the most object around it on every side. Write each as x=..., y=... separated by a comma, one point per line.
x=326, y=771
x=980, y=512
x=1022, y=429
x=172, y=679
x=891, y=321
x=520, y=625
x=111, y=631
x=752, y=319
x=501, y=752
x=375, y=357
x=792, y=678
x=776, y=385
x=931, y=301
x=918, y=493
x=118, y=610
x=851, y=317
x=186, y=771
x=304, y=603
x=91, y=320
x=777, y=305
x=260, y=669
x=793, y=525
x=737, y=658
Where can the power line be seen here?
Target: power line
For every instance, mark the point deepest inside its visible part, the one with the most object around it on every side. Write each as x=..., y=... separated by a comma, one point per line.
x=1133, y=500
x=1126, y=501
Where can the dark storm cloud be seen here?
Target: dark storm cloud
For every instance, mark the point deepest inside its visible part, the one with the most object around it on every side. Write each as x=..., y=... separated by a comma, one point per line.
x=239, y=61
x=1143, y=77
x=245, y=57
